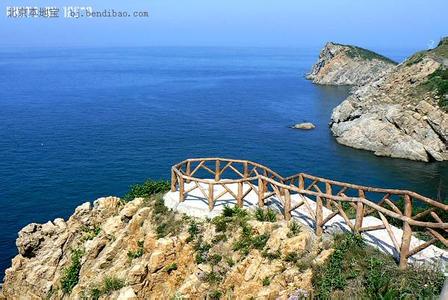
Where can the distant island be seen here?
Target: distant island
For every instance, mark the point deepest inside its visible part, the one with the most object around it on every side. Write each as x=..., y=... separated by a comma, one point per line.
x=397, y=111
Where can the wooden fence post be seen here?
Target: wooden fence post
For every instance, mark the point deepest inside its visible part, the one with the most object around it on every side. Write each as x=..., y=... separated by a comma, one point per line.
x=260, y=192
x=173, y=180
x=319, y=216
x=181, y=189
x=329, y=192
x=211, y=202
x=359, y=211
x=239, y=200
x=245, y=170
x=287, y=207
x=407, y=234
x=301, y=182
x=188, y=170
x=217, y=170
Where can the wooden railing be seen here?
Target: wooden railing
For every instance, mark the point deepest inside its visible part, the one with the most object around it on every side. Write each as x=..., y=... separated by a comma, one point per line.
x=343, y=199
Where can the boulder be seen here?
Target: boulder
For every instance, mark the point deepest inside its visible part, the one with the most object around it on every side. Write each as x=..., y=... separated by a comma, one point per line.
x=306, y=126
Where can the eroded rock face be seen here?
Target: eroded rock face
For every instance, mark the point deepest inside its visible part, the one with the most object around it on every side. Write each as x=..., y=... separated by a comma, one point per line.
x=119, y=240
x=396, y=115
x=348, y=65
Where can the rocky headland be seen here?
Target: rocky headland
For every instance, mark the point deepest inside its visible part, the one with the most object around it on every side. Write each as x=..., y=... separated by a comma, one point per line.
x=402, y=113
x=348, y=65
x=141, y=250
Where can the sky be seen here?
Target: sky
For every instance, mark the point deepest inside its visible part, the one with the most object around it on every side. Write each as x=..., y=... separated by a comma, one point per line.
x=374, y=24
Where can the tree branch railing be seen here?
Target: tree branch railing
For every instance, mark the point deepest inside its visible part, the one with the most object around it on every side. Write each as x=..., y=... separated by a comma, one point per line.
x=350, y=201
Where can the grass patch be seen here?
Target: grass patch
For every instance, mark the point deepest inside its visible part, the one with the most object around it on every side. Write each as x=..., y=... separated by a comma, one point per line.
x=292, y=257
x=230, y=262
x=214, y=259
x=294, y=229
x=112, y=283
x=266, y=281
x=265, y=215
x=109, y=285
x=358, y=271
x=146, y=189
x=170, y=268
x=271, y=255
x=212, y=277
x=137, y=253
x=358, y=52
x=219, y=238
x=215, y=295
x=231, y=217
x=438, y=81
x=167, y=221
x=90, y=232
x=201, y=249
x=248, y=241
x=70, y=275
x=193, y=231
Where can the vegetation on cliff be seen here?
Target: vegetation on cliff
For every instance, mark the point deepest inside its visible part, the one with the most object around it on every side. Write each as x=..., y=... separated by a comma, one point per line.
x=358, y=271
x=362, y=53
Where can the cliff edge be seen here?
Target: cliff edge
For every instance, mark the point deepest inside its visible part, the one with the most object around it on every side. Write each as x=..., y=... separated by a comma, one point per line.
x=348, y=65
x=141, y=250
x=401, y=114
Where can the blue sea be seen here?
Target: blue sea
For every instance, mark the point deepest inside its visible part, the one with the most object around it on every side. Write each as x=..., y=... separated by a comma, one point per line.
x=78, y=124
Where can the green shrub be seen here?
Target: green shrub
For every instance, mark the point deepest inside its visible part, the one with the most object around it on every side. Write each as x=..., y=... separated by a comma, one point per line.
x=70, y=275
x=171, y=267
x=214, y=259
x=294, y=229
x=219, y=238
x=265, y=215
x=137, y=253
x=231, y=216
x=215, y=295
x=248, y=241
x=112, y=283
x=212, y=277
x=220, y=223
x=89, y=233
x=95, y=293
x=266, y=281
x=193, y=230
x=292, y=257
x=201, y=251
x=356, y=270
x=146, y=189
x=271, y=255
x=230, y=262
x=166, y=220
x=439, y=82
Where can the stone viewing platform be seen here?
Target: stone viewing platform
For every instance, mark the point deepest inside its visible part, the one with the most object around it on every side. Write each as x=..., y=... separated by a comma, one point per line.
x=322, y=204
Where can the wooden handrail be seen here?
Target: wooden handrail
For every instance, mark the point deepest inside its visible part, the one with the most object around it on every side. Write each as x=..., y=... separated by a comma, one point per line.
x=266, y=183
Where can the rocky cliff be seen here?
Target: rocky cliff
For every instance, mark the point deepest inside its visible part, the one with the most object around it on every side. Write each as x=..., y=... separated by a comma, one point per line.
x=348, y=65
x=403, y=113
x=141, y=250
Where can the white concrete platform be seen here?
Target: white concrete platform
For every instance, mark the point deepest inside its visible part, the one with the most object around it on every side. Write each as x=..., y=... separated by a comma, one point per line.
x=196, y=205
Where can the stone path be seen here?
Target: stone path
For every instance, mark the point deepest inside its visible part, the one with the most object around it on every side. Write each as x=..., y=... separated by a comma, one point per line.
x=196, y=205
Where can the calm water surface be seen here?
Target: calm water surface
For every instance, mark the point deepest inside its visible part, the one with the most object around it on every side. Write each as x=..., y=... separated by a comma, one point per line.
x=83, y=123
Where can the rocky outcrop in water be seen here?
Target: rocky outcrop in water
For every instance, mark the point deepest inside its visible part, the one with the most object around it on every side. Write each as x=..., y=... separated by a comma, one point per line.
x=348, y=65
x=401, y=114
x=141, y=250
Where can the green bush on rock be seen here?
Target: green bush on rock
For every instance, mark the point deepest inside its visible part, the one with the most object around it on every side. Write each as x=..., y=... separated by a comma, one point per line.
x=146, y=189
x=70, y=275
x=358, y=271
